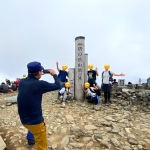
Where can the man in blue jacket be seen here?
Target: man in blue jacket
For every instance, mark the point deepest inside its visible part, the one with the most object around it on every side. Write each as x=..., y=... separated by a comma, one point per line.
x=29, y=101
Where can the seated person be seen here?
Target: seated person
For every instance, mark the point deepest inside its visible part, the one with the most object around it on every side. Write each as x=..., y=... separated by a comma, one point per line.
x=17, y=82
x=64, y=93
x=93, y=93
x=129, y=83
x=4, y=88
x=114, y=82
x=8, y=82
x=13, y=87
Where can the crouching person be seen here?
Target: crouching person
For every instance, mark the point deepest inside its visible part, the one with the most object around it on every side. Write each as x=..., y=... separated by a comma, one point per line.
x=65, y=94
x=93, y=93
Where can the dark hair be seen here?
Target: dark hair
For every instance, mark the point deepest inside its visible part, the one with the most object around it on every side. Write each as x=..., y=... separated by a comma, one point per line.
x=114, y=80
x=129, y=83
x=32, y=73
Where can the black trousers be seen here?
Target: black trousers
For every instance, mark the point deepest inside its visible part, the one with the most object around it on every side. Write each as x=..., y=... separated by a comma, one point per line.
x=107, y=96
x=107, y=91
x=91, y=84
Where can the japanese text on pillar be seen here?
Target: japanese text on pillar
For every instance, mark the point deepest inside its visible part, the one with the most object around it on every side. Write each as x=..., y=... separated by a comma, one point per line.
x=80, y=62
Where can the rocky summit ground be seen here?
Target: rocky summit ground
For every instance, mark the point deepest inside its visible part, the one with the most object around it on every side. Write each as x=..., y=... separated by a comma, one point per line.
x=79, y=126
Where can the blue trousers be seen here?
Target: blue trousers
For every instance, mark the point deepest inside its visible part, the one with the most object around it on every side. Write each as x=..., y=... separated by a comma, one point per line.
x=29, y=136
x=93, y=99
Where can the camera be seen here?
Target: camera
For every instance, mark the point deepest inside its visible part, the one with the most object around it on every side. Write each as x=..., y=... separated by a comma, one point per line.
x=46, y=71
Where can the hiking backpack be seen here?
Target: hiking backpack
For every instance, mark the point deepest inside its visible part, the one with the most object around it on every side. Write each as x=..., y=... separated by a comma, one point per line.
x=110, y=76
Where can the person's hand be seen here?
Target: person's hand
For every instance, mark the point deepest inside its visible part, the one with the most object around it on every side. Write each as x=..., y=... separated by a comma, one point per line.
x=57, y=63
x=122, y=74
x=52, y=72
x=83, y=89
x=95, y=87
x=67, y=93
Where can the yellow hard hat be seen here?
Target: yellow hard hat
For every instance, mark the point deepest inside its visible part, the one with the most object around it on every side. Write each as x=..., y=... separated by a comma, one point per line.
x=87, y=85
x=106, y=66
x=67, y=85
x=90, y=66
x=64, y=67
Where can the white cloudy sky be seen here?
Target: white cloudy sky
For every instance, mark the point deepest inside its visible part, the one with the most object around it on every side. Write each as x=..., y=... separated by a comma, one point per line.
x=116, y=32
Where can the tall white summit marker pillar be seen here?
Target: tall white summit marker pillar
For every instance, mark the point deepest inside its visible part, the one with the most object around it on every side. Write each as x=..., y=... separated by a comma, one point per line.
x=79, y=67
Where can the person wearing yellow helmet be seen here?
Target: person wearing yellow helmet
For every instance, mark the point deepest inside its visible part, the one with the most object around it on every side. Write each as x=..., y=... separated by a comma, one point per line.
x=62, y=73
x=85, y=89
x=92, y=93
x=107, y=82
x=92, y=75
x=65, y=93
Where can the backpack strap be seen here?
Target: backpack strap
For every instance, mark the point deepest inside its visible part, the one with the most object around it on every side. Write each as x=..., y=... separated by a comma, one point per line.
x=111, y=76
x=110, y=73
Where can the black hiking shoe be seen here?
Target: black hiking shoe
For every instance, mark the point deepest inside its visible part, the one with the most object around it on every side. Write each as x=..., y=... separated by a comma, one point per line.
x=30, y=143
x=105, y=102
x=109, y=102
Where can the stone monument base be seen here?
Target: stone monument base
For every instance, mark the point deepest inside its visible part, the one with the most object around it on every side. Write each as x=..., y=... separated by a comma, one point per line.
x=122, y=87
x=139, y=86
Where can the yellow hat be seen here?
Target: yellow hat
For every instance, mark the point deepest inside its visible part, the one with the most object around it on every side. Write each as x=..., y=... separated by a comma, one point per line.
x=64, y=67
x=106, y=66
x=67, y=85
x=87, y=85
x=90, y=66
